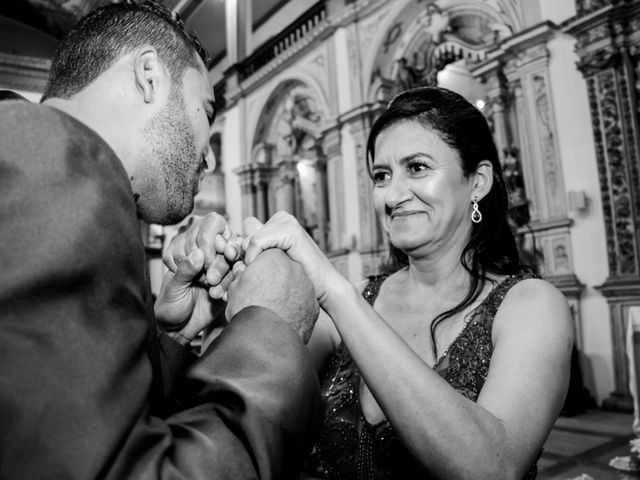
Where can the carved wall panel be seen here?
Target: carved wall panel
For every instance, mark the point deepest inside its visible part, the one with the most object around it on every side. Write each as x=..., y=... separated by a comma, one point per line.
x=522, y=127
x=547, y=145
x=528, y=74
x=617, y=167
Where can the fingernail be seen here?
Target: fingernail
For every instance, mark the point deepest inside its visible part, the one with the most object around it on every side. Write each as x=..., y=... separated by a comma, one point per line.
x=213, y=277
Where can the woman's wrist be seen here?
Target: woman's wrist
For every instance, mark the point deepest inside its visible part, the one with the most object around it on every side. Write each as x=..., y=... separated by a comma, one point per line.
x=340, y=289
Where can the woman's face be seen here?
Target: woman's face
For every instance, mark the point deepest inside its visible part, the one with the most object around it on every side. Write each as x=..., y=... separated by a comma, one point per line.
x=420, y=193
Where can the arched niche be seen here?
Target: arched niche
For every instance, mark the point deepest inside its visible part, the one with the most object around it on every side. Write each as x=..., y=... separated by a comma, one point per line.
x=288, y=169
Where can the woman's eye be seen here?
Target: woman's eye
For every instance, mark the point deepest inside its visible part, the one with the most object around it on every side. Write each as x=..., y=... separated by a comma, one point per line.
x=417, y=167
x=380, y=177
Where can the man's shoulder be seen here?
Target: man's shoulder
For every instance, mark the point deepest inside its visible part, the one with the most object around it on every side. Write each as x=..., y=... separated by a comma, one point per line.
x=27, y=119
x=25, y=111
x=31, y=126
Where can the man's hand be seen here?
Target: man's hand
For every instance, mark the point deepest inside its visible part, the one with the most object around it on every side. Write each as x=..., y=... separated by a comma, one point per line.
x=210, y=234
x=276, y=282
x=183, y=307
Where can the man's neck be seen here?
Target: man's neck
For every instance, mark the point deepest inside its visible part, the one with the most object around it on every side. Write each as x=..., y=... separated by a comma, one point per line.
x=99, y=118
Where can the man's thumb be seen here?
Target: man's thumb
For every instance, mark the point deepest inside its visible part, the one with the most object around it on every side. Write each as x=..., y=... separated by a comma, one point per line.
x=190, y=268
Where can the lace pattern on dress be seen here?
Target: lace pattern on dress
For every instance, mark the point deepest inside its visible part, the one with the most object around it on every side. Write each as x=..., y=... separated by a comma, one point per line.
x=352, y=448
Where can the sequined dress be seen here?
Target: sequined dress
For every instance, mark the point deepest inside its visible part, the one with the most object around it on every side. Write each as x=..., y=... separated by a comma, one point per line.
x=351, y=448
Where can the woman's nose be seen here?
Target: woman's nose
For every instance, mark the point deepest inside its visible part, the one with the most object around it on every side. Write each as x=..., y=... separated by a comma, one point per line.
x=398, y=191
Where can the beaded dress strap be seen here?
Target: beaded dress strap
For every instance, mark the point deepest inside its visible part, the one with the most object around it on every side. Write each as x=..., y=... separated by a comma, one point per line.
x=494, y=298
x=370, y=292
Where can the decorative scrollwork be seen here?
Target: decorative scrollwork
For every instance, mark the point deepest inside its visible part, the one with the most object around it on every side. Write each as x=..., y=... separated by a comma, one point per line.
x=616, y=188
x=546, y=129
x=595, y=62
x=602, y=173
x=629, y=111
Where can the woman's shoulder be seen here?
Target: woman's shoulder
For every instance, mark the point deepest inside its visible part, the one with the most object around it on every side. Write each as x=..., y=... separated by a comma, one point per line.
x=530, y=288
x=533, y=302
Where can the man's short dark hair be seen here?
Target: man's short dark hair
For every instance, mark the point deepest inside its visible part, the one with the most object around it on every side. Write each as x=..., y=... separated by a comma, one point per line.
x=107, y=33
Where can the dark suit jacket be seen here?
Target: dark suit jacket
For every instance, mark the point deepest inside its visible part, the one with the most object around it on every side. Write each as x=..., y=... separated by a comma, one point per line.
x=75, y=319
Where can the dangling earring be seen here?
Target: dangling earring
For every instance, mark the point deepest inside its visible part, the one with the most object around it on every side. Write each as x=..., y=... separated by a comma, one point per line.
x=476, y=216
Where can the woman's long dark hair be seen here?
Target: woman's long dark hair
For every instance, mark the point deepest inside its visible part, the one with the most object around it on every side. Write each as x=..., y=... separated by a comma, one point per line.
x=491, y=248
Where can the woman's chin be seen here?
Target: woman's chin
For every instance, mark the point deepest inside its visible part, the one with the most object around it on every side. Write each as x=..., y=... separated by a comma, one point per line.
x=403, y=243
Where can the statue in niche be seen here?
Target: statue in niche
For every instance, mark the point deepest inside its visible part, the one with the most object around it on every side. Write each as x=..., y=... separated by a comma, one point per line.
x=407, y=75
x=421, y=70
x=300, y=117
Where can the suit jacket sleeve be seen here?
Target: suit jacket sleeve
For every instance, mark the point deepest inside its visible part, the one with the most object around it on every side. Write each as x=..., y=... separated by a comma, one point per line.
x=74, y=319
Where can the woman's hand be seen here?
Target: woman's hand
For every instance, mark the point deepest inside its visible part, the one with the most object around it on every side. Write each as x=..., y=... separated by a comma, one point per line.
x=283, y=231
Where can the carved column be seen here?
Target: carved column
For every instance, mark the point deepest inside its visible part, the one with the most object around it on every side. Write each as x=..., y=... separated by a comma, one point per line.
x=371, y=243
x=286, y=192
x=608, y=43
x=323, y=212
x=359, y=126
x=261, y=179
x=497, y=96
x=254, y=188
x=331, y=142
x=247, y=190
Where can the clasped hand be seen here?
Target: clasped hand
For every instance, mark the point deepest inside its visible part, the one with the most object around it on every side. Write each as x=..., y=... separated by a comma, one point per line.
x=206, y=263
x=200, y=261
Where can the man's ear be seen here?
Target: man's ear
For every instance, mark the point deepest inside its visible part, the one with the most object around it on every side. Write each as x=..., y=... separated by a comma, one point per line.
x=483, y=180
x=149, y=72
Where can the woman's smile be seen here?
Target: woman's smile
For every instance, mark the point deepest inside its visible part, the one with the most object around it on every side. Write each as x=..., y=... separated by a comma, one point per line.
x=407, y=213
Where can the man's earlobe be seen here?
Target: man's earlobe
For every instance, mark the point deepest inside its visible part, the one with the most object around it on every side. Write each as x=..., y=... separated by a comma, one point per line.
x=147, y=71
